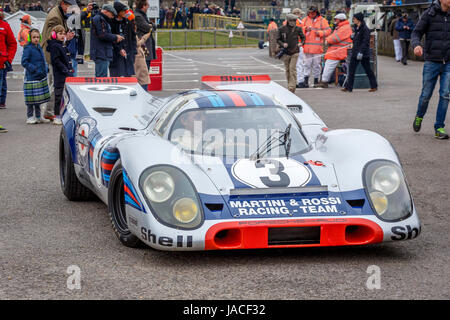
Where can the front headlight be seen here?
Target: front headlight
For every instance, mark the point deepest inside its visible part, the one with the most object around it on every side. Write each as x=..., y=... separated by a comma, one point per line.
x=387, y=191
x=171, y=197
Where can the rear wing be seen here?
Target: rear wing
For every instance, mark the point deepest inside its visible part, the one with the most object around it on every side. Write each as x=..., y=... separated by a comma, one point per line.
x=214, y=82
x=94, y=80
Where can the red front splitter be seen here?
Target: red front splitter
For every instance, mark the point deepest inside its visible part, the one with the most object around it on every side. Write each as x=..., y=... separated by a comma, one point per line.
x=254, y=234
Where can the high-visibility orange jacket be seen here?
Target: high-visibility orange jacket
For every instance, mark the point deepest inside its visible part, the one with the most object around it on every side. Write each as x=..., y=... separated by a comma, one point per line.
x=272, y=26
x=314, y=38
x=22, y=37
x=339, y=42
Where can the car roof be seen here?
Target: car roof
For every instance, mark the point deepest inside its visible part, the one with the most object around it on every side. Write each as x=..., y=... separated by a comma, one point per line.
x=229, y=98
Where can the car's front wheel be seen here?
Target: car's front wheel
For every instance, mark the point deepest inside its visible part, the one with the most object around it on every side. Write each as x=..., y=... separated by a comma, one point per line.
x=116, y=205
x=70, y=185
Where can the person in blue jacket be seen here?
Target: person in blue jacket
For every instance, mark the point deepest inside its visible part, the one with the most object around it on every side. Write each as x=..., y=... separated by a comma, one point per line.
x=102, y=40
x=405, y=27
x=36, y=69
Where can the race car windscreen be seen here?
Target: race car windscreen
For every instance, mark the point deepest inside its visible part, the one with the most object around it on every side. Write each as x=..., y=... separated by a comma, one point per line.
x=238, y=132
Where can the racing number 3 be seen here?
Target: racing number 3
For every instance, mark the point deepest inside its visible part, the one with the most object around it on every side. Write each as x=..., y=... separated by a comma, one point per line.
x=276, y=171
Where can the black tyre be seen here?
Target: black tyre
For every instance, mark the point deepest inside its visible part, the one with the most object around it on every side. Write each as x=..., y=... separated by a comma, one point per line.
x=70, y=185
x=116, y=206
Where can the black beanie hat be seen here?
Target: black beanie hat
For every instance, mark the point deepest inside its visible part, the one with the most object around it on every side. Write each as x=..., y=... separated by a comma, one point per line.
x=120, y=7
x=359, y=16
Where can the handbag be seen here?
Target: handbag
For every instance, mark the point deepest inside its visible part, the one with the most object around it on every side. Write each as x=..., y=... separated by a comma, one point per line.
x=36, y=92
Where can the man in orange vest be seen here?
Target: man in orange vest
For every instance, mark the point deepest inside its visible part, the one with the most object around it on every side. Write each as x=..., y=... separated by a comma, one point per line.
x=316, y=28
x=272, y=25
x=25, y=26
x=338, y=43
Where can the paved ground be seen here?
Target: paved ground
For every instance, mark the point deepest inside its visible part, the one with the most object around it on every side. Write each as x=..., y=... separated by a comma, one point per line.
x=42, y=233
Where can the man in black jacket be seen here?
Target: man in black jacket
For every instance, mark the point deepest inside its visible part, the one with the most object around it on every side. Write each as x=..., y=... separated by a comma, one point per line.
x=102, y=40
x=435, y=25
x=288, y=39
x=360, y=53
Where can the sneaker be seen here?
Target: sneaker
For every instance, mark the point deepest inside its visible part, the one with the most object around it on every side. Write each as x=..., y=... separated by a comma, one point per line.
x=2, y=106
x=301, y=85
x=42, y=120
x=31, y=120
x=417, y=124
x=49, y=117
x=57, y=120
x=440, y=134
x=321, y=85
x=3, y=129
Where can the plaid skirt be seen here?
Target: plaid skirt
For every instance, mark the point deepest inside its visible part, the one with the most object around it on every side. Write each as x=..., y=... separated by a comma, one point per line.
x=36, y=92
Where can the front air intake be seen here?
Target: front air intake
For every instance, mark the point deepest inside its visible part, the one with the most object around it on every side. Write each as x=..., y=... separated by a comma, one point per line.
x=294, y=236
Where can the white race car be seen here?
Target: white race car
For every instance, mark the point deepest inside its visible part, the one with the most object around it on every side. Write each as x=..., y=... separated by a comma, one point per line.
x=242, y=164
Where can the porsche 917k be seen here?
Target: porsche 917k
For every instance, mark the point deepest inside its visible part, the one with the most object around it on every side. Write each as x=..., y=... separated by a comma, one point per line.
x=242, y=163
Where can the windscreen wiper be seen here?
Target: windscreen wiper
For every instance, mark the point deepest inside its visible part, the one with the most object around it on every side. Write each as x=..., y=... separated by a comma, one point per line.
x=284, y=139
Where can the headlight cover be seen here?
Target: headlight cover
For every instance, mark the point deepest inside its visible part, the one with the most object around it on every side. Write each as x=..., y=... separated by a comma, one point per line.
x=171, y=197
x=387, y=190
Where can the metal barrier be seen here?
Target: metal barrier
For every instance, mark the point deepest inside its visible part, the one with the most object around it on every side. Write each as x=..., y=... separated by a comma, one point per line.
x=212, y=21
x=206, y=38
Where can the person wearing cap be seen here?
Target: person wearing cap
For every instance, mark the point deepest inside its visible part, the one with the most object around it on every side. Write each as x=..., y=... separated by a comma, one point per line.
x=56, y=16
x=25, y=26
x=316, y=28
x=404, y=26
x=434, y=24
x=360, y=53
x=338, y=44
x=102, y=40
x=125, y=51
x=290, y=37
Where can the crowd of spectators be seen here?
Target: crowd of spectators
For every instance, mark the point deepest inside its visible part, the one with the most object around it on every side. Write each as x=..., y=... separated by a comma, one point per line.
x=181, y=15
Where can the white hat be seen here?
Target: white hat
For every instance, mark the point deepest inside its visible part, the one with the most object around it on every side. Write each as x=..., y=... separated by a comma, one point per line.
x=340, y=16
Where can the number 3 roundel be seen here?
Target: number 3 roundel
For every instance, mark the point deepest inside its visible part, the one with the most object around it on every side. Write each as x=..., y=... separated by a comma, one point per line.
x=271, y=173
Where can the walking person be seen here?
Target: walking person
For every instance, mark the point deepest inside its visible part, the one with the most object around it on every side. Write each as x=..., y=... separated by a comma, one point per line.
x=434, y=23
x=360, y=53
x=338, y=44
x=316, y=28
x=62, y=67
x=102, y=40
x=35, y=87
x=290, y=37
x=404, y=27
x=8, y=48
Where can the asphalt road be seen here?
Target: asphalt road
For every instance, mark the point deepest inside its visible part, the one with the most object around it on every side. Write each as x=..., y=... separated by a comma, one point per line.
x=42, y=234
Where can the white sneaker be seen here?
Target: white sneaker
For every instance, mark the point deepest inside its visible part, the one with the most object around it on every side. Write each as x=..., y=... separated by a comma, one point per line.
x=42, y=120
x=57, y=120
x=31, y=120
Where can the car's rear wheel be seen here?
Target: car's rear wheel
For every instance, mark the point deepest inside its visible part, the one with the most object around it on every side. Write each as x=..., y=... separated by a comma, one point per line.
x=116, y=205
x=70, y=185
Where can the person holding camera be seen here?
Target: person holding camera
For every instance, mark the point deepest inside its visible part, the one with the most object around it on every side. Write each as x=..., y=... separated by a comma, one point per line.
x=360, y=53
x=290, y=37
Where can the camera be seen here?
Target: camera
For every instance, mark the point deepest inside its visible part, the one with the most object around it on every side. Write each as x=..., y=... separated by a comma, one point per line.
x=281, y=53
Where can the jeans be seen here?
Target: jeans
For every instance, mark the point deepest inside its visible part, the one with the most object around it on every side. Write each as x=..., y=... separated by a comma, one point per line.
x=3, y=85
x=33, y=108
x=431, y=72
x=75, y=67
x=101, y=68
x=352, y=69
